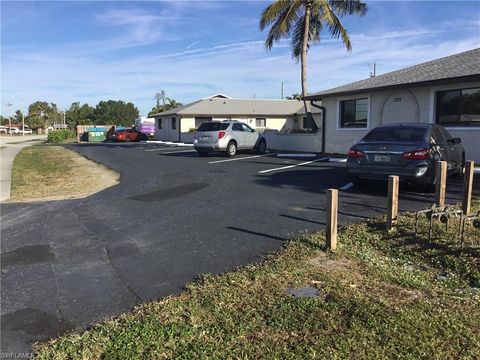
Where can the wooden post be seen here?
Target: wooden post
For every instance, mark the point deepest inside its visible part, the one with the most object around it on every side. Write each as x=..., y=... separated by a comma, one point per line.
x=440, y=182
x=467, y=187
x=332, y=209
x=392, y=205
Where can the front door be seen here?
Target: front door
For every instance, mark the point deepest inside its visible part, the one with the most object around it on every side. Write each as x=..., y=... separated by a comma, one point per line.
x=399, y=108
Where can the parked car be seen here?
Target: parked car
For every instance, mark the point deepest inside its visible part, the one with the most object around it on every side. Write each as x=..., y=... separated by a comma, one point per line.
x=3, y=129
x=145, y=125
x=13, y=131
x=410, y=151
x=26, y=131
x=128, y=135
x=228, y=136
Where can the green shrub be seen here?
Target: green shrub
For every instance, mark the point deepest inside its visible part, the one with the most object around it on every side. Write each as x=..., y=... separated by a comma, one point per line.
x=57, y=136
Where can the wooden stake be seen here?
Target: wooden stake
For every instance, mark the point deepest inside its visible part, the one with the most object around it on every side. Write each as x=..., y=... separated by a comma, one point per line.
x=392, y=205
x=332, y=210
x=440, y=182
x=467, y=187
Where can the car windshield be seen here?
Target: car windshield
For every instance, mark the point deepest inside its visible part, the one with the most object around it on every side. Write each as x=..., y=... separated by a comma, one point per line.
x=400, y=133
x=212, y=126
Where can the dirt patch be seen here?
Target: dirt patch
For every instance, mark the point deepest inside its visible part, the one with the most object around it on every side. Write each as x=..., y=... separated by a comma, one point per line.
x=339, y=267
x=44, y=173
x=348, y=274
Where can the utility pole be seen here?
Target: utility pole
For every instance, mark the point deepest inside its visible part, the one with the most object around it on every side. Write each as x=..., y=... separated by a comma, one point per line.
x=9, y=105
x=282, y=90
x=23, y=124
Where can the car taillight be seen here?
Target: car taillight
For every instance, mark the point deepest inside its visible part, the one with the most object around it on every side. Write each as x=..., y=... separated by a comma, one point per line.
x=419, y=154
x=355, y=153
x=221, y=134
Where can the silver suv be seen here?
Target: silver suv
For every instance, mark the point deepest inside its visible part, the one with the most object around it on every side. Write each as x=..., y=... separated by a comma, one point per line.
x=228, y=136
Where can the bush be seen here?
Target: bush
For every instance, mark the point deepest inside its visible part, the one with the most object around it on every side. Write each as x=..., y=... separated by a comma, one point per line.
x=57, y=136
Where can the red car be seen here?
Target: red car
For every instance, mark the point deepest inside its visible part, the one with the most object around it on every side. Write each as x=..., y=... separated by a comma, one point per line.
x=128, y=135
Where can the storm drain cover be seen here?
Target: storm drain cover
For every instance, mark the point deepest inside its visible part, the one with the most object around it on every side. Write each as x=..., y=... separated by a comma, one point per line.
x=303, y=292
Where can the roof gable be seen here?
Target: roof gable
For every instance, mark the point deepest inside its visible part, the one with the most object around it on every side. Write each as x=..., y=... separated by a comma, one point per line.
x=230, y=107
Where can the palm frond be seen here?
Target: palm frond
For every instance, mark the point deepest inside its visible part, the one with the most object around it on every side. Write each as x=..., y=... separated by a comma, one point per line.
x=348, y=7
x=273, y=12
x=296, y=42
x=336, y=28
x=286, y=17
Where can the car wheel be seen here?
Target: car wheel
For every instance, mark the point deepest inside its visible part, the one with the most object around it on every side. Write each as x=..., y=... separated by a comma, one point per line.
x=231, y=149
x=262, y=147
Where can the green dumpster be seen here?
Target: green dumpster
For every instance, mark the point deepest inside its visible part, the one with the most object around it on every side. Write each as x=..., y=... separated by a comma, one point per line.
x=96, y=135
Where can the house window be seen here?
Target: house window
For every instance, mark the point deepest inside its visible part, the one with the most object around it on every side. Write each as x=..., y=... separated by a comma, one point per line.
x=354, y=113
x=159, y=122
x=260, y=122
x=200, y=120
x=174, y=123
x=458, y=107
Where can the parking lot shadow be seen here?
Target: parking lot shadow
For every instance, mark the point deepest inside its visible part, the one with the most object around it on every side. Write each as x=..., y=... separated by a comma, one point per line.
x=251, y=232
x=314, y=180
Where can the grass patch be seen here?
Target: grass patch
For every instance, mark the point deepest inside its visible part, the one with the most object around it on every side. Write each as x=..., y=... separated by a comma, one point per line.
x=53, y=172
x=383, y=295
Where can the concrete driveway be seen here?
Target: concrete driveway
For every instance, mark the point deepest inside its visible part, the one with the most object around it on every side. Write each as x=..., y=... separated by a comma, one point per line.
x=10, y=146
x=174, y=215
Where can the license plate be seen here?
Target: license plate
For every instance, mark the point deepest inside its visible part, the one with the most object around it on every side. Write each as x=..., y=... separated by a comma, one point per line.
x=205, y=138
x=382, y=158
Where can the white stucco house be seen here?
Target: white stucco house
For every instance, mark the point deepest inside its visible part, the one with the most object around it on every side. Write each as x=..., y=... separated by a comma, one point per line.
x=278, y=116
x=445, y=91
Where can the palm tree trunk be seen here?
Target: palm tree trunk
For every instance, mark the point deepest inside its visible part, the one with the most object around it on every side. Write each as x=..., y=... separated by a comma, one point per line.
x=303, y=58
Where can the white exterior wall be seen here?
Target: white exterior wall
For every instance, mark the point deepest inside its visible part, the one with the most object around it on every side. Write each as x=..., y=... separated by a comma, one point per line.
x=188, y=123
x=293, y=142
x=417, y=104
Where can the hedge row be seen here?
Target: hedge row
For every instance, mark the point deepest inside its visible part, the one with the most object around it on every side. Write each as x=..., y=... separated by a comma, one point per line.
x=57, y=136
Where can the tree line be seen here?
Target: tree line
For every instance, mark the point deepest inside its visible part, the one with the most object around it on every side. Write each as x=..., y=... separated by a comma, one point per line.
x=42, y=114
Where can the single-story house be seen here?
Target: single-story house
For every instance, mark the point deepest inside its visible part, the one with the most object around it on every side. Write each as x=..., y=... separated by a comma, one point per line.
x=445, y=91
x=284, y=116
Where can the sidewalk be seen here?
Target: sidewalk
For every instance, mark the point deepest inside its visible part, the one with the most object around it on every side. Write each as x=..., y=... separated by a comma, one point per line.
x=10, y=146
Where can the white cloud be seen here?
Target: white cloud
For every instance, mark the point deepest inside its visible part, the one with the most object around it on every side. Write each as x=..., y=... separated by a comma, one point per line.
x=238, y=69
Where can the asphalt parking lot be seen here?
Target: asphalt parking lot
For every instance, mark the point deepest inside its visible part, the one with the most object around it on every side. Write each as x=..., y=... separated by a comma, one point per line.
x=174, y=215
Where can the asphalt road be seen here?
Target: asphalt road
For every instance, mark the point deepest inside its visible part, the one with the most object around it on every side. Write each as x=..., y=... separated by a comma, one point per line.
x=174, y=215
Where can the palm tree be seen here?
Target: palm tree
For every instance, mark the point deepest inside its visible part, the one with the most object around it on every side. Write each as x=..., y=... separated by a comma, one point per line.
x=304, y=21
x=295, y=96
x=171, y=104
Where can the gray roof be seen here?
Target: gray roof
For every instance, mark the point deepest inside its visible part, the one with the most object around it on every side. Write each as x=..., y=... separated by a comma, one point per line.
x=232, y=107
x=462, y=66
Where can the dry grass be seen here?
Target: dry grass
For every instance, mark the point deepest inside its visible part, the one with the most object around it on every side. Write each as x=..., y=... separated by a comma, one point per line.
x=43, y=173
x=380, y=298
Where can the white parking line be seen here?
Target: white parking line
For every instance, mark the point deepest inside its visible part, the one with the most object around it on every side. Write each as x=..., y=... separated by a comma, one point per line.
x=297, y=155
x=165, y=148
x=240, y=158
x=291, y=166
x=178, y=152
x=347, y=186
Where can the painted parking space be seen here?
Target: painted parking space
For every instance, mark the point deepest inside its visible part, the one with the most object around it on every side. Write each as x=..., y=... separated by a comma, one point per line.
x=241, y=158
x=291, y=166
x=168, y=148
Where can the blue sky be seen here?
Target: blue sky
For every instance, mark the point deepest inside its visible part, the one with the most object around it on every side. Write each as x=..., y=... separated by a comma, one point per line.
x=87, y=51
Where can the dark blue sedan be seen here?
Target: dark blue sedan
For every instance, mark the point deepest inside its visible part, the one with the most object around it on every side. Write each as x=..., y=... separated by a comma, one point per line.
x=407, y=150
